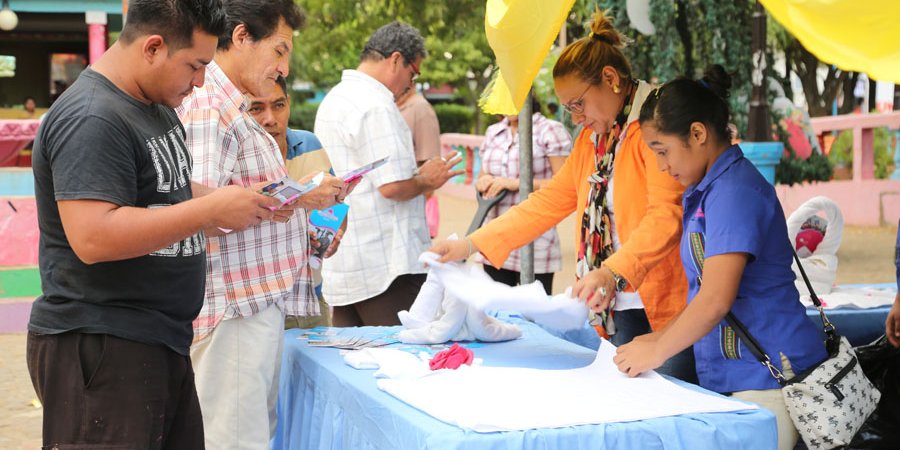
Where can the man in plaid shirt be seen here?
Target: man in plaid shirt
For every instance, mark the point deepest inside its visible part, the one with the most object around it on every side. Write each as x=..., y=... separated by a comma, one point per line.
x=253, y=277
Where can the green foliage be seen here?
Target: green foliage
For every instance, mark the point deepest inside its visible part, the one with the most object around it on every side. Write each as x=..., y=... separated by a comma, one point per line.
x=455, y=118
x=841, y=154
x=719, y=33
x=882, y=144
x=303, y=116
x=793, y=170
x=337, y=30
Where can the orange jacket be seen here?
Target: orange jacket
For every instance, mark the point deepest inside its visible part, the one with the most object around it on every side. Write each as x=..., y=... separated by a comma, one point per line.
x=647, y=207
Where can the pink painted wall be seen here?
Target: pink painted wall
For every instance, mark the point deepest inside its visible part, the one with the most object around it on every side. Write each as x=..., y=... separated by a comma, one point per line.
x=18, y=232
x=97, y=41
x=864, y=202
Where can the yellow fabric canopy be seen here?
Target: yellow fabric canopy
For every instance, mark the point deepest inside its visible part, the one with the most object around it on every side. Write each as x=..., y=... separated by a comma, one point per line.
x=854, y=35
x=520, y=32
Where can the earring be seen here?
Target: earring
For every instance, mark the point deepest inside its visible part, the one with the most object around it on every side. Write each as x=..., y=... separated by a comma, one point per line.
x=615, y=89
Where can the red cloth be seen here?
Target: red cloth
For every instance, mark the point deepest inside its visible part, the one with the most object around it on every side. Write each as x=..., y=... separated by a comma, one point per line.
x=809, y=238
x=451, y=358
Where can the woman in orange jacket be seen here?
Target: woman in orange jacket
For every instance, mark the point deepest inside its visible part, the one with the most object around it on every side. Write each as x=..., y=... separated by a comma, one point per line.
x=629, y=271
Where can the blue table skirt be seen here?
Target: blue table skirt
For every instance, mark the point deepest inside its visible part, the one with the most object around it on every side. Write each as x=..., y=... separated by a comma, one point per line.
x=325, y=404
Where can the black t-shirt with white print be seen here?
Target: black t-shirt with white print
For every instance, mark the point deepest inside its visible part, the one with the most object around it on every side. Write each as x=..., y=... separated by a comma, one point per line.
x=98, y=143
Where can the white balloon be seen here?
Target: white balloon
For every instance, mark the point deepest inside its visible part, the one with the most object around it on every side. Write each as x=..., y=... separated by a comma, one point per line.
x=639, y=15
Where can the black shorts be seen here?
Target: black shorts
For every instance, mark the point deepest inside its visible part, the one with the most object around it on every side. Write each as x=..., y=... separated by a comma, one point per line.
x=104, y=392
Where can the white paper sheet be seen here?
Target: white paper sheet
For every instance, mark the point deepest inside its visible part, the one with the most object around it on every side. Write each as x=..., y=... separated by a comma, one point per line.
x=487, y=399
x=852, y=298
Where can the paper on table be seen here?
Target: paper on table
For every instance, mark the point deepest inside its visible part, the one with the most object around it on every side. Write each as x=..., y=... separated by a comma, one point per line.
x=487, y=399
x=853, y=298
x=471, y=285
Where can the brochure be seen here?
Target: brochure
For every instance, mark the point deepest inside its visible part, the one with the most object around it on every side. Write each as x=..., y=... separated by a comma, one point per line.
x=351, y=176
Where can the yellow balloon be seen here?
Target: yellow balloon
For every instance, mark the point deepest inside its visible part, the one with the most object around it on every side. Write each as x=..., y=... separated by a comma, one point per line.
x=520, y=32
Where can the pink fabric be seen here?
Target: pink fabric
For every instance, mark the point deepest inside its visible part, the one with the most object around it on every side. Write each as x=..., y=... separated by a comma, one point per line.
x=18, y=232
x=809, y=238
x=451, y=358
x=15, y=135
x=432, y=215
x=798, y=139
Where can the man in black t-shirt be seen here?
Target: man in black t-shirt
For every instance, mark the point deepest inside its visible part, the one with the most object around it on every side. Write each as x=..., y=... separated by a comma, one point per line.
x=122, y=248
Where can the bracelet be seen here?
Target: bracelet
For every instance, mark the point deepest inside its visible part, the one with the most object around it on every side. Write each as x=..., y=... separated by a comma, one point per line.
x=469, y=246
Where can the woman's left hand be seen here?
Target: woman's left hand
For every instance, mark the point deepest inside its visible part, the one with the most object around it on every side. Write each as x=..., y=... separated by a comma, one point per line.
x=596, y=289
x=498, y=184
x=637, y=357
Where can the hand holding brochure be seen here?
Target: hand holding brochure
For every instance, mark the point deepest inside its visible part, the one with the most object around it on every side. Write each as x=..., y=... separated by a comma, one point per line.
x=326, y=223
x=287, y=190
x=351, y=176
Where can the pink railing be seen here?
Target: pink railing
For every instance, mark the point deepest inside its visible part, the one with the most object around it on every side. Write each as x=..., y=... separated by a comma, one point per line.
x=863, y=126
x=467, y=145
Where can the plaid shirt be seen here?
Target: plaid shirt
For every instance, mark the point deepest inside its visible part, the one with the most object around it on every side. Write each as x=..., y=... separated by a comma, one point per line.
x=261, y=266
x=500, y=158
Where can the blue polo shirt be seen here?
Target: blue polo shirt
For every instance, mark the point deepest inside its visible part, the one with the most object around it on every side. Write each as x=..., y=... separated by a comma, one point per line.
x=735, y=210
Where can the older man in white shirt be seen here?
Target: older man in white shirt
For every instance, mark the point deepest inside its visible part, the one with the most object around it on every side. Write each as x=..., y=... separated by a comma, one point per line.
x=376, y=273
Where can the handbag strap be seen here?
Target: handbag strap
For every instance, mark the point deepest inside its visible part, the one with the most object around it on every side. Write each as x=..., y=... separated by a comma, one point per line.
x=827, y=326
x=741, y=331
x=744, y=334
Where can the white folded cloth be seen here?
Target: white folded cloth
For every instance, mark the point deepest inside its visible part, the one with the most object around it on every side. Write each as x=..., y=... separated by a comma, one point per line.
x=391, y=363
x=437, y=316
x=821, y=265
x=472, y=286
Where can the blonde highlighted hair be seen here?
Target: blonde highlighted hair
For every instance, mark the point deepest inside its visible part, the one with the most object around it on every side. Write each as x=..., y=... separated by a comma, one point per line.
x=588, y=56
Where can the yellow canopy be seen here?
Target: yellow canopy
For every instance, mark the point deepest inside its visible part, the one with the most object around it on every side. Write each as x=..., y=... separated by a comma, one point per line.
x=854, y=35
x=520, y=32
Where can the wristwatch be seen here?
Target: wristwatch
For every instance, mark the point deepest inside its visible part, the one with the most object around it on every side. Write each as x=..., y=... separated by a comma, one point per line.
x=621, y=283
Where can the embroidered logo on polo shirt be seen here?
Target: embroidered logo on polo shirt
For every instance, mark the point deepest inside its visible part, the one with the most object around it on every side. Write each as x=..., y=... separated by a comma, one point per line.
x=729, y=343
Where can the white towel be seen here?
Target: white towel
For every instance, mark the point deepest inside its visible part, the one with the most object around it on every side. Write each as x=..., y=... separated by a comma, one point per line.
x=391, y=363
x=472, y=286
x=437, y=316
x=821, y=266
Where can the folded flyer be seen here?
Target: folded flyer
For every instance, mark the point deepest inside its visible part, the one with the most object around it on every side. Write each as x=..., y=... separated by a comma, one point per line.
x=325, y=223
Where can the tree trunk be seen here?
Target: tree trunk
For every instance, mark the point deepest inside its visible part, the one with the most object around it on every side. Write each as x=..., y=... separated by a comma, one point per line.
x=681, y=24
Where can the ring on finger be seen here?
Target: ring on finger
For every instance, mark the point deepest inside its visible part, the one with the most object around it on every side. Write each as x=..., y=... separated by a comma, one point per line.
x=602, y=290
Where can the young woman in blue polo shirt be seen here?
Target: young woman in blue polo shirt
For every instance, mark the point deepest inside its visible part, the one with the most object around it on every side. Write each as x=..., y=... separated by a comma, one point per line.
x=735, y=250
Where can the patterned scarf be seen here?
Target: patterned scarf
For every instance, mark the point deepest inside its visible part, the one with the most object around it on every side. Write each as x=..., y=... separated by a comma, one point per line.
x=596, y=227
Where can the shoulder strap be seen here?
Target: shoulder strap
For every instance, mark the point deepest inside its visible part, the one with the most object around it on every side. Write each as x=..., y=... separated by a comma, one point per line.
x=827, y=326
x=698, y=253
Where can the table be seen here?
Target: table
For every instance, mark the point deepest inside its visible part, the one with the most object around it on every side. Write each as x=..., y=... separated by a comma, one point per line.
x=861, y=326
x=15, y=135
x=323, y=403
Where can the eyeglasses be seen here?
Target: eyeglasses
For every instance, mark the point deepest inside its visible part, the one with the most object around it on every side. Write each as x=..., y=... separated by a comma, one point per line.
x=415, y=69
x=577, y=106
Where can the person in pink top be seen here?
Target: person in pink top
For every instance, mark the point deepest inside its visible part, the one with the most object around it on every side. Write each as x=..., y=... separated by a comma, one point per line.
x=500, y=171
